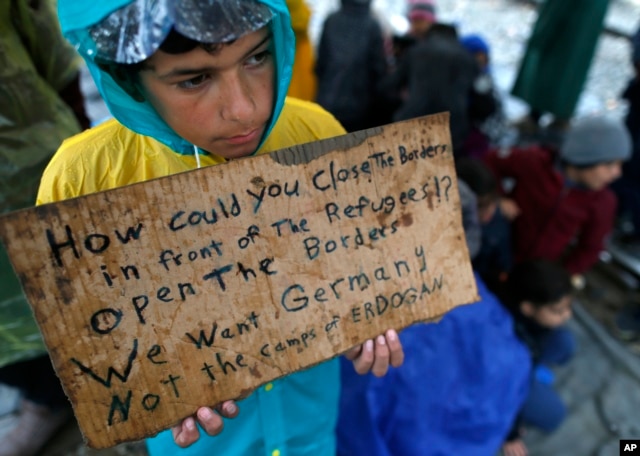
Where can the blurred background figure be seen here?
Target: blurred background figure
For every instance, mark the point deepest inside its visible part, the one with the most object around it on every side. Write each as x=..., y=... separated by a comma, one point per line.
x=488, y=122
x=421, y=15
x=560, y=204
x=435, y=74
x=303, y=81
x=40, y=105
x=538, y=295
x=557, y=59
x=351, y=62
x=493, y=261
x=627, y=188
x=625, y=244
x=463, y=382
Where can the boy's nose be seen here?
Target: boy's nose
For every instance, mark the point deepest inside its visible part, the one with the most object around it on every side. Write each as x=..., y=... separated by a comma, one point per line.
x=237, y=101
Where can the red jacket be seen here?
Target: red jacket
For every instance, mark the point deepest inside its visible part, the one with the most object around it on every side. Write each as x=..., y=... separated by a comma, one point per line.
x=558, y=220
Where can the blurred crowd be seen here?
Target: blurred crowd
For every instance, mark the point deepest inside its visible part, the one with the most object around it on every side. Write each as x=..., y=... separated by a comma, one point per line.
x=546, y=203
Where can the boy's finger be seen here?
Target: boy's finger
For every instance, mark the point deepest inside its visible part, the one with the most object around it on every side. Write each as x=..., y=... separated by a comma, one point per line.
x=396, y=352
x=228, y=409
x=185, y=433
x=363, y=362
x=353, y=352
x=381, y=359
x=210, y=421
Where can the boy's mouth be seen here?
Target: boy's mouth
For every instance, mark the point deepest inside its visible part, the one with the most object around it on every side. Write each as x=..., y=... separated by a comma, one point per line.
x=243, y=138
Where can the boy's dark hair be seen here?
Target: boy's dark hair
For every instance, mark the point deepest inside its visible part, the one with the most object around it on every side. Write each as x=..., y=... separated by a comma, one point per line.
x=540, y=282
x=477, y=176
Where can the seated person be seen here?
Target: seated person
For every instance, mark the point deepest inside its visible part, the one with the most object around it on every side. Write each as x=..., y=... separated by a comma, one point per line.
x=538, y=294
x=561, y=207
x=460, y=389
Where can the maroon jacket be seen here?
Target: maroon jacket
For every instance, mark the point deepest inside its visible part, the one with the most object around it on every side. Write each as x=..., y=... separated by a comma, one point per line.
x=559, y=221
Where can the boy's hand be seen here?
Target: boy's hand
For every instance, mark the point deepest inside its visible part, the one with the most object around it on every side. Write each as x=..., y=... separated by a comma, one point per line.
x=376, y=355
x=186, y=433
x=509, y=208
x=514, y=448
x=372, y=356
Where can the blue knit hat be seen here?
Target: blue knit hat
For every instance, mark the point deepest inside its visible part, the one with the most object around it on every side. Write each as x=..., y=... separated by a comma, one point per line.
x=596, y=140
x=475, y=43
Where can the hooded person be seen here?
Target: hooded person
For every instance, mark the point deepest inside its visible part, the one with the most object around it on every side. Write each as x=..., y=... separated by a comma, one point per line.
x=460, y=389
x=194, y=83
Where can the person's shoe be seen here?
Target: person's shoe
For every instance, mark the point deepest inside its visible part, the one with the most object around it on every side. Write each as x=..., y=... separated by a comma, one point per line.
x=35, y=425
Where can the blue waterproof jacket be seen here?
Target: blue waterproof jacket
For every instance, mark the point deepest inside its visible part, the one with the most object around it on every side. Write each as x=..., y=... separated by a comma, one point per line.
x=458, y=393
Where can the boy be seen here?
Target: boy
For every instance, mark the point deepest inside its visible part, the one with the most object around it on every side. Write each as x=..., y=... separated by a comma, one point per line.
x=194, y=83
x=562, y=209
x=493, y=261
x=538, y=294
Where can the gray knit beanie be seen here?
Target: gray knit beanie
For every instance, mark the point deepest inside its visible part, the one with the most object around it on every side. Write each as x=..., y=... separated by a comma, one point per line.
x=595, y=140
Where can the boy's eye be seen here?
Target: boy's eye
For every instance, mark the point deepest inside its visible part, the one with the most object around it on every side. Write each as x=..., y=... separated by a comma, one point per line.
x=193, y=82
x=259, y=58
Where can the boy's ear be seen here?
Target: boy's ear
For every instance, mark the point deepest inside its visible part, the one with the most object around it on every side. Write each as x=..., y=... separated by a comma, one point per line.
x=527, y=309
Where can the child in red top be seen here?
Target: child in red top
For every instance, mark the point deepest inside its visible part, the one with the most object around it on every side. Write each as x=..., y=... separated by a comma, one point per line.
x=560, y=206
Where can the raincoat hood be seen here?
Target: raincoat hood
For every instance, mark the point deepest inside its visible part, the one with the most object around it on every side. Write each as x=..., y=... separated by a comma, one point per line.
x=76, y=18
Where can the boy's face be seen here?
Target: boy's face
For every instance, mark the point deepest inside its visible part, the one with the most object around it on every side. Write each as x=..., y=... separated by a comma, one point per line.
x=418, y=27
x=599, y=176
x=219, y=100
x=482, y=59
x=487, y=206
x=551, y=315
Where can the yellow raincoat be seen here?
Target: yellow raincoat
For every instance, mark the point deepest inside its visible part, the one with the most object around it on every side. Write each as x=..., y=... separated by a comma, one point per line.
x=303, y=82
x=110, y=155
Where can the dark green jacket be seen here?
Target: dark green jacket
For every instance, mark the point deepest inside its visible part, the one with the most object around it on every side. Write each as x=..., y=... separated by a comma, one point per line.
x=36, y=63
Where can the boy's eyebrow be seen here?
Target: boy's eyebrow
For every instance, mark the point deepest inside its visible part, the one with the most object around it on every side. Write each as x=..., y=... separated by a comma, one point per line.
x=195, y=71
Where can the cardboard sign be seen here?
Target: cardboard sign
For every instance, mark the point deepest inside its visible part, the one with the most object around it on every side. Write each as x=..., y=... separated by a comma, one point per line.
x=156, y=298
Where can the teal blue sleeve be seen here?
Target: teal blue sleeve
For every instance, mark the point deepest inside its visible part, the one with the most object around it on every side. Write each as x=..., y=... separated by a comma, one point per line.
x=293, y=416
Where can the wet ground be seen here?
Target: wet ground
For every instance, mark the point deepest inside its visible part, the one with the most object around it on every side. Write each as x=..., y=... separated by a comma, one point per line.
x=602, y=385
